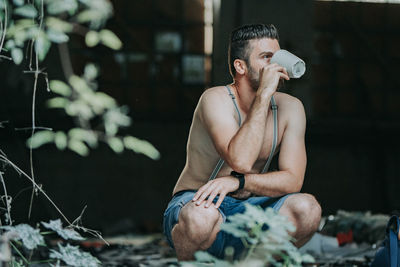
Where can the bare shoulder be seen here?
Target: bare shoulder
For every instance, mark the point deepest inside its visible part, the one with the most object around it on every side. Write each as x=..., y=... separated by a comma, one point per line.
x=289, y=104
x=217, y=93
x=292, y=109
x=213, y=99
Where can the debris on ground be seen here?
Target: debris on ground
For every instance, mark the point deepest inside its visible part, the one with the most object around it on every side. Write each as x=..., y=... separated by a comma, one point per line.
x=347, y=239
x=133, y=250
x=344, y=239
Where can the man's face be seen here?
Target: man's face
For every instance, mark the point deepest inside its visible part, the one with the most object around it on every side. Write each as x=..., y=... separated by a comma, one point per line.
x=260, y=53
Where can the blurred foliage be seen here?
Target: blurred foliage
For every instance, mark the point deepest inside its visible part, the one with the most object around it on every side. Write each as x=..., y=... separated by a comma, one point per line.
x=43, y=22
x=80, y=100
x=29, y=25
x=24, y=236
x=265, y=235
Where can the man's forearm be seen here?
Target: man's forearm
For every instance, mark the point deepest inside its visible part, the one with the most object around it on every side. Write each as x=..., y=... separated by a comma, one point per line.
x=273, y=184
x=245, y=146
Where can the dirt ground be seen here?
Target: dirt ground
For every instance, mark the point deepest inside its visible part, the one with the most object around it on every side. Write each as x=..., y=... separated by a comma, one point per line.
x=153, y=250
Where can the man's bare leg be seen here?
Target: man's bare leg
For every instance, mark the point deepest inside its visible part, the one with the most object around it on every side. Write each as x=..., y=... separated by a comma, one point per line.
x=196, y=229
x=304, y=211
x=198, y=226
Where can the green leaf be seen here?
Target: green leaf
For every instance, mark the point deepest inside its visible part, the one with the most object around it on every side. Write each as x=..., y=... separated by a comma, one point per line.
x=60, y=139
x=17, y=55
x=20, y=37
x=56, y=226
x=32, y=32
x=87, y=15
x=110, y=128
x=307, y=258
x=116, y=144
x=59, y=87
x=106, y=100
x=234, y=230
x=10, y=44
x=101, y=101
x=141, y=146
x=57, y=102
x=40, y=138
x=28, y=11
x=90, y=72
x=24, y=23
x=73, y=256
x=96, y=13
x=108, y=38
x=80, y=108
x=31, y=238
x=79, y=84
x=42, y=45
x=58, y=24
x=78, y=147
x=58, y=7
x=83, y=135
x=92, y=38
x=18, y=2
x=57, y=36
x=117, y=116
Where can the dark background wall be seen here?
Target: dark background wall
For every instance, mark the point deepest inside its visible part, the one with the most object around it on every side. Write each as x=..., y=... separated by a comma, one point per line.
x=350, y=93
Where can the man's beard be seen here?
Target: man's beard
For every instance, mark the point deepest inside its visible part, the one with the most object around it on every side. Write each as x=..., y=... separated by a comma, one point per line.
x=254, y=79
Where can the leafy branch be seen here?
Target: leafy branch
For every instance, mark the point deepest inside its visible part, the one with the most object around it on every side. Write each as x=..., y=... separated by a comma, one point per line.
x=78, y=97
x=28, y=29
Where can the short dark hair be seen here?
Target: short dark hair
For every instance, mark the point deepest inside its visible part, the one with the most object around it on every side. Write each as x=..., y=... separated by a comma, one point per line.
x=239, y=41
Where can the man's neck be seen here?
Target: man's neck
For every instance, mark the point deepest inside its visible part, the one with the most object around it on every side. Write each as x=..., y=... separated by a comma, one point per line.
x=245, y=94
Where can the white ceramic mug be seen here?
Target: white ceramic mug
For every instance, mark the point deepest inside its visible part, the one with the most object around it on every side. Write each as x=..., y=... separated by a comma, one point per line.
x=294, y=65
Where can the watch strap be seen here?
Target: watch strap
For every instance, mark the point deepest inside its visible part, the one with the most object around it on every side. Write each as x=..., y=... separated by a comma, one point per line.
x=240, y=177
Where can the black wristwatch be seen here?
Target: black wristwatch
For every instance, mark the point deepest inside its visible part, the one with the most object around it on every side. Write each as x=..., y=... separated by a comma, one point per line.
x=240, y=177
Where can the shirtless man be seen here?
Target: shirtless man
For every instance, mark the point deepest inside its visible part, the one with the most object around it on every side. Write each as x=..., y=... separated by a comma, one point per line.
x=193, y=217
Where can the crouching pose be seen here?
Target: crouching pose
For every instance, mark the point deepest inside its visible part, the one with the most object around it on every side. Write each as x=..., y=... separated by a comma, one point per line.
x=236, y=131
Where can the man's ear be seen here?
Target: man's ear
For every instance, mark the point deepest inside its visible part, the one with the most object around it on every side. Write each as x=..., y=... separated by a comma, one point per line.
x=240, y=66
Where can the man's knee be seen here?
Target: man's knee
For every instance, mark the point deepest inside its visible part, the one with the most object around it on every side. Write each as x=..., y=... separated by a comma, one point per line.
x=305, y=206
x=198, y=222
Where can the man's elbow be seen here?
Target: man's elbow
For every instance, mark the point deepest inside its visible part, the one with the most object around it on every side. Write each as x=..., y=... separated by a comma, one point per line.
x=296, y=189
x=241, y=166
x=296, y=186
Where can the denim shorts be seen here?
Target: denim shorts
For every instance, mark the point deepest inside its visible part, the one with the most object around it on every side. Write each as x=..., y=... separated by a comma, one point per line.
x=229, y=206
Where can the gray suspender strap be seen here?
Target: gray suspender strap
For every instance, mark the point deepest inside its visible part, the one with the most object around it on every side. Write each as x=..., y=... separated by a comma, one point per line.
x=275, y=138
x=216, y=169
x=236, y=106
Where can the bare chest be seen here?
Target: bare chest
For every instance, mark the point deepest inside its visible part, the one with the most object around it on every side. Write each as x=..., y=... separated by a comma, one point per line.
x=273, y=134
